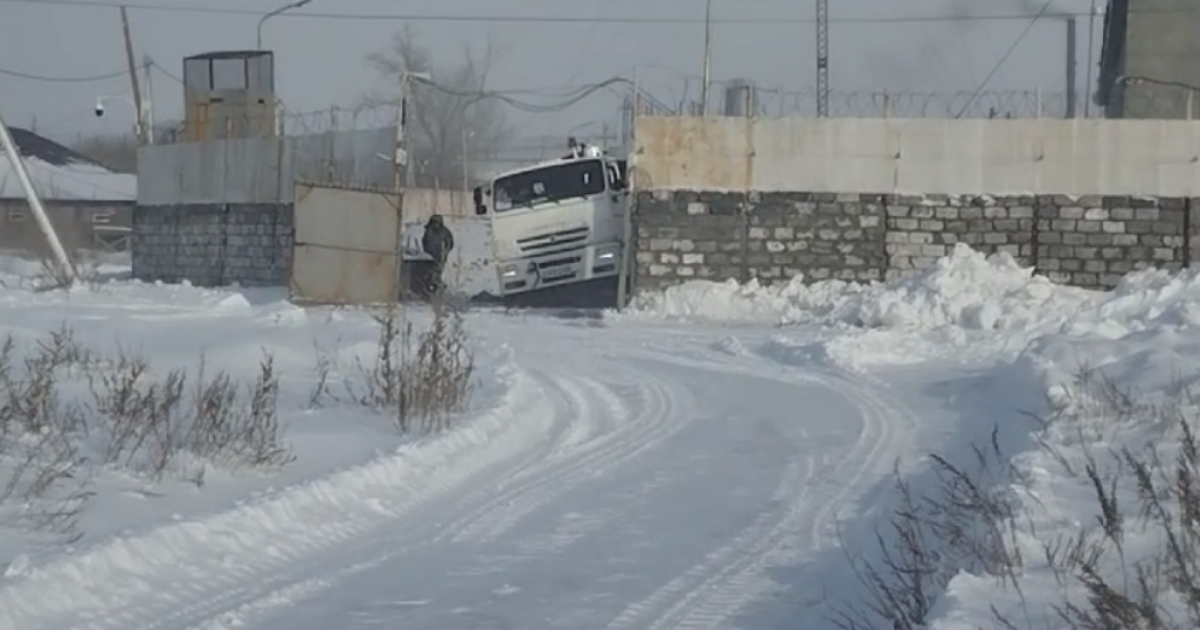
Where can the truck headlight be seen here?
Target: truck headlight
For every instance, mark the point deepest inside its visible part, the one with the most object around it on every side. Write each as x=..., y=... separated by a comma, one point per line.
x=607, y=255
x=508, y=271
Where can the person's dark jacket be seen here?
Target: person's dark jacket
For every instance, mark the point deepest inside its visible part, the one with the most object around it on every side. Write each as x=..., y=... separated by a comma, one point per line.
x=437, y=240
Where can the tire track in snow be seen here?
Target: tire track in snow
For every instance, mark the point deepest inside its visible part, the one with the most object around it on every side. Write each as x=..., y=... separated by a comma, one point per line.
x=543, y=476
x=234, y=606
x=573, y=527
x=660, y=418
x=713, y=591
x=680, y=592
x=178, y=572
x=578, y=439
x=743, y=582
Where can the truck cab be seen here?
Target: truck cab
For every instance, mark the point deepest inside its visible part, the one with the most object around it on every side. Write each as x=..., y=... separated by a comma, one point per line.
x=558, y=222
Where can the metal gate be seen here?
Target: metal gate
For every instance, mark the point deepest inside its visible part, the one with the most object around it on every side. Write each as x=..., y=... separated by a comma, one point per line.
x=347, y=246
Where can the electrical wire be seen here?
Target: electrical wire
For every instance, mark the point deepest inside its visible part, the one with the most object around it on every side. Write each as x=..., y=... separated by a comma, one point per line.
x=578, y=95
x=583, y=51
x=46, y=79
x=167, y=73
x=1004, y=58
x=532, y=19
x=566, y=98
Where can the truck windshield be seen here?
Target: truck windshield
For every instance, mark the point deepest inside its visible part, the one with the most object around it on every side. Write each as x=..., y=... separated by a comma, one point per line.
x=553, y=183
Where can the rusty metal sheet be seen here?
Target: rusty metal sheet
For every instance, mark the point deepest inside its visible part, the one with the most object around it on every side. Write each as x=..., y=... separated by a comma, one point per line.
x=347, y=246
x=691, y=153
x=322, y=275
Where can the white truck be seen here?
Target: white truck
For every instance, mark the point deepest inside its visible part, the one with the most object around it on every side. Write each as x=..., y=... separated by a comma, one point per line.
x=557, y=223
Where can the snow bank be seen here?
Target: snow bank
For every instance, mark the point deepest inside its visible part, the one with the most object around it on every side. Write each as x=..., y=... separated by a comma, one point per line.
x=23, y=271
x=965, y=289
x=1118, y=375
x=1113, y=372
x=134, y=525
x=255, y=538
x=970, y=306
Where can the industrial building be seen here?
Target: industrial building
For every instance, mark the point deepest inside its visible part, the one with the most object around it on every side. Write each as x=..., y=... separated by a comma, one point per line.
x=1150, y=60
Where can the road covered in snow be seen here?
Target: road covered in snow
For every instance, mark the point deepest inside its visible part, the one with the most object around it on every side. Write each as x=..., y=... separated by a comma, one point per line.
x=717, y=457
x=613, y=481
x=648, y=492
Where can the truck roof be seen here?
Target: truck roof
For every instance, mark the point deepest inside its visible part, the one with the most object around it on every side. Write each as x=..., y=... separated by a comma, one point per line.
x=552, y=162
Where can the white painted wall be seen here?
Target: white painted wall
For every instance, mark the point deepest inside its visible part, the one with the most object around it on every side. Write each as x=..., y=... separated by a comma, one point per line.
x=919, y=156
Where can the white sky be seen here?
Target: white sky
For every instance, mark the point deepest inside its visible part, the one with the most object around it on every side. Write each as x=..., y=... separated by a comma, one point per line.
x=321, y=63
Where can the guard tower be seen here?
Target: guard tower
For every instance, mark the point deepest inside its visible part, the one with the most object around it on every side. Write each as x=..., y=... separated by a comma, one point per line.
x=229, y=94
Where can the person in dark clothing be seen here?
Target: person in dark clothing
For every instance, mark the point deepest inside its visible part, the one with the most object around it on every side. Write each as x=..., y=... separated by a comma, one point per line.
x=437, y=242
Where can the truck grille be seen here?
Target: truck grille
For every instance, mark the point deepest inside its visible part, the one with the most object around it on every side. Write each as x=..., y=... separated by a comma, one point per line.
x=559, y=269
x=553, y=240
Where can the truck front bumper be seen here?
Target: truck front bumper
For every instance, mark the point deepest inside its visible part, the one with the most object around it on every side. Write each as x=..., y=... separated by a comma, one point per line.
x=522, y=275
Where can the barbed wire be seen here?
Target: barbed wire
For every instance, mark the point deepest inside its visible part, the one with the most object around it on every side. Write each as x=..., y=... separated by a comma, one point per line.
x=781, y=103
x=876, y=104
x=766, y=103
x=563, y=100
x=264, y=122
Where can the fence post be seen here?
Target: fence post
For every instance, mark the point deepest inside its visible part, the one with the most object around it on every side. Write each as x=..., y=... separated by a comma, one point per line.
x=1035, y=236
x=625, y=278
x=1187, y=232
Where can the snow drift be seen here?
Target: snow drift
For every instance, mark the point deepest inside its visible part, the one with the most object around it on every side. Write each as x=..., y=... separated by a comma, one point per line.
x=1117, y=370
x=965, y=289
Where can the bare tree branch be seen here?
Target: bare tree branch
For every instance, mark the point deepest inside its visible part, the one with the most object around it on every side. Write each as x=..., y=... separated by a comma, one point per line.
x=450, y=127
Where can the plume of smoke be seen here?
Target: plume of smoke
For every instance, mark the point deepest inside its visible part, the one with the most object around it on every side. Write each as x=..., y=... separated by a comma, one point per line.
x=967, y=9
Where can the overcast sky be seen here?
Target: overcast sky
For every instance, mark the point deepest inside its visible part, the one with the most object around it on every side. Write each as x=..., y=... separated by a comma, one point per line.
x=321, y=62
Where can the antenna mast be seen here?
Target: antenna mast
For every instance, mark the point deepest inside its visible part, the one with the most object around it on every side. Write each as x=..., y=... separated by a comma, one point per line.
x=823, y=58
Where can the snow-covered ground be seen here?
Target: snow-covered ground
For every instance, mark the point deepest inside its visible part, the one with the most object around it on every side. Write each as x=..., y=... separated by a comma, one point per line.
x=715, y=457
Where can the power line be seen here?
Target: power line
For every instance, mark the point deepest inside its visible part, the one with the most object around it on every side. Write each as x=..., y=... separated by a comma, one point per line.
x=534, y=19
x=1004, y=58
x=170, y=75
x=505, y=96
x=46, y=79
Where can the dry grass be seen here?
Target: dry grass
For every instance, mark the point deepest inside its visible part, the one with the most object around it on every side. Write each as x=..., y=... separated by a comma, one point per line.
x=67, y=411
x=961, y=523
x=1149, y=491
x=422, y=379
x=50, y=276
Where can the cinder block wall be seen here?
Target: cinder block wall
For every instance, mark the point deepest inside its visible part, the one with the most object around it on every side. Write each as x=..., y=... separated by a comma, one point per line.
x=213, y=244
x=769, y=236
x=1089, y=242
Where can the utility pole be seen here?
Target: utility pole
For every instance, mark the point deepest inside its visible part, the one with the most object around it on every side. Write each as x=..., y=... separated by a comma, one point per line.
x=707, y=58
x=147, y=65
x=1072, y=67
x=65, y=269
x=139, y=127
x=822, y=58
x=1091, y=44
x=466, y=165
x=400, y=164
